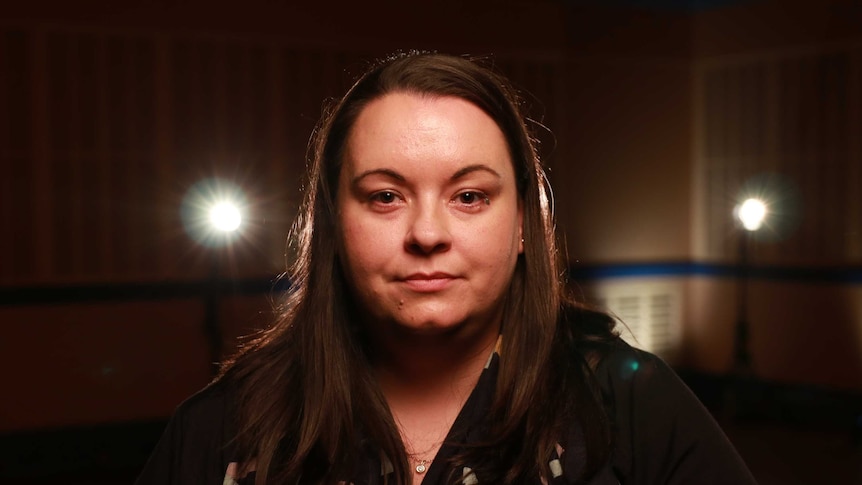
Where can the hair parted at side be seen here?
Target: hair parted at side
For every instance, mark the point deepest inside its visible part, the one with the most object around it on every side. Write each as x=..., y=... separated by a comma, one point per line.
x=308, y=405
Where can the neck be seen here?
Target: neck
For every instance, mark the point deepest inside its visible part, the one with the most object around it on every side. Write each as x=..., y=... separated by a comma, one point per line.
x=417, y=369
x=426, y=380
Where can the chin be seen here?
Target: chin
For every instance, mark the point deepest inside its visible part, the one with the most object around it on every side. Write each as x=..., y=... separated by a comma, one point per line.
x=421, y=325
x=430, y=326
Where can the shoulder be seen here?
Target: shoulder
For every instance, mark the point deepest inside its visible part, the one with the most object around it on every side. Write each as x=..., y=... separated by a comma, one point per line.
x=618, y=367
x=208, y=404
x=205, y=420
x=195, y=446
x=639, y=390
x=661, y=431
x=621, y=366
x=644, y=397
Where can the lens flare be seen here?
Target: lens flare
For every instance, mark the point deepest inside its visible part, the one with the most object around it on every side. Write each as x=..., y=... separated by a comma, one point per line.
x=213, y=212
x=751, y=214
x=225, y=216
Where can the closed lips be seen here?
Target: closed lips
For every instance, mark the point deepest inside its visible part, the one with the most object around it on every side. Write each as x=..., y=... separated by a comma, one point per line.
x=423, y=282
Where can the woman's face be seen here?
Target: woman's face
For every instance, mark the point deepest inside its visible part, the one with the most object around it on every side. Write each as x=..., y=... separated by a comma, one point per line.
x=429, y=214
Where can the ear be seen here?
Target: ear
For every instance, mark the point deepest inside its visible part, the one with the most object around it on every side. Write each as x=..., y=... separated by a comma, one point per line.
x=520, y=228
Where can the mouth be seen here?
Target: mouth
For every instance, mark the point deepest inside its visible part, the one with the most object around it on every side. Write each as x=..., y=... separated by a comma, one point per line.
x=428, y=282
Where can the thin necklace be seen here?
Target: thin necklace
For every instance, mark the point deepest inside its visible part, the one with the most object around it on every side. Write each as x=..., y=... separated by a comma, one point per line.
x=421, y=465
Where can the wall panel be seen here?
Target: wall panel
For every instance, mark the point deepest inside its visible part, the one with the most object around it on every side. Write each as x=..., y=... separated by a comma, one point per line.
x=780, y=126
x=107, y=131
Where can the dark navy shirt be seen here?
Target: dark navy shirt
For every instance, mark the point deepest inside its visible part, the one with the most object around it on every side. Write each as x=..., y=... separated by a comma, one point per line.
x=662, y=434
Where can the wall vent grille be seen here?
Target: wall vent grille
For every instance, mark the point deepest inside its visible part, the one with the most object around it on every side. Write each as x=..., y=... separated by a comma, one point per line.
x=650, y=313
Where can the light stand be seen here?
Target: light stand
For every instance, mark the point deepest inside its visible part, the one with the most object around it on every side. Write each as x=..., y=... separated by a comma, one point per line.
x=750, y=215
x=741, y=353
x=743, y=389
x=212, y=215
x=225, y=219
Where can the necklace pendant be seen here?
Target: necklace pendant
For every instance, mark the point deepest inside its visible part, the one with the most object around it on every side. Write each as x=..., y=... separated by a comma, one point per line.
x=420, y=468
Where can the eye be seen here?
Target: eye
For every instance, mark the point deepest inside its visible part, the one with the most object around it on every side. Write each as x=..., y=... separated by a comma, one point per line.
x=384, y=197
x=472, y=198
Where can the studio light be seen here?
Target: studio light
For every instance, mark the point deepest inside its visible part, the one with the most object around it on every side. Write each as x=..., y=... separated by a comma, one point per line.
x=213, y=212
x=225, y=216
x=751, y=213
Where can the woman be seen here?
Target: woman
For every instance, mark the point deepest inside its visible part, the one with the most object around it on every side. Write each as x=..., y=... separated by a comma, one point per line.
x=428, y=336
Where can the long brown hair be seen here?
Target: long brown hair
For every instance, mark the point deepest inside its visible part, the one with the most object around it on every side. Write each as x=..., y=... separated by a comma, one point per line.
x=307, y=401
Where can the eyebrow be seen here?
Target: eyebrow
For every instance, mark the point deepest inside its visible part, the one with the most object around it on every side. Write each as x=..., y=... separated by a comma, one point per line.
x=463, y=172
x=474, y=168
x=378, y=171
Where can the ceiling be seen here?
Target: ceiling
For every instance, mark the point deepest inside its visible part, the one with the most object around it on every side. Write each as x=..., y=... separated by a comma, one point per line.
x=674, y=5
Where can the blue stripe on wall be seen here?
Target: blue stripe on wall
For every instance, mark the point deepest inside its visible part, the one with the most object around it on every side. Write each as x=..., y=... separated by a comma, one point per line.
x=841, y=275
x=39, y=295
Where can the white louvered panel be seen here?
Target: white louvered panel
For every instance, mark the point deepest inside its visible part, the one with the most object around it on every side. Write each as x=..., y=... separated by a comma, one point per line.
x=649, y=313
x=662, y=334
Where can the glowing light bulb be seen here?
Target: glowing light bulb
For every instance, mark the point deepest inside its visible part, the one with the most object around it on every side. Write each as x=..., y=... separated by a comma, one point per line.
x=225, y=216
x=751, y=214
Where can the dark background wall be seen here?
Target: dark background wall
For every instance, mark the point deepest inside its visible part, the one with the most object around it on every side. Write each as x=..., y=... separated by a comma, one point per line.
x=111, y=111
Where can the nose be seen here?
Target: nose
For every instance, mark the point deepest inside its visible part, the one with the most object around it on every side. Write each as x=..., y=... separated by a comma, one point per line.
x=429, y=230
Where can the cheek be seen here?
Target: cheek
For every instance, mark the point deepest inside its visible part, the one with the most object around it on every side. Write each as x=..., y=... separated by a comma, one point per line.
x=364, y=247
x=494, y=250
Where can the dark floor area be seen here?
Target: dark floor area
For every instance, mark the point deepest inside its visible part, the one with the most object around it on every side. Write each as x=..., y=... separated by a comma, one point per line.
x=797, y=455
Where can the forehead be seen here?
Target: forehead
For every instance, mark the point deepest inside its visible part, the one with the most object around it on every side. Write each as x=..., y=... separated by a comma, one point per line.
x=401, y=128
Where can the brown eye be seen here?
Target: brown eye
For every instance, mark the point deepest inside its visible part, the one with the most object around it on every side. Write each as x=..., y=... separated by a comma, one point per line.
x=469, y=197
x=384, y=197
x=473, y=198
